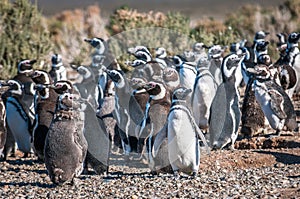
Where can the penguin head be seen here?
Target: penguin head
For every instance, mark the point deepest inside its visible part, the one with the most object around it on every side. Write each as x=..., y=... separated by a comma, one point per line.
x=189, y=56
x=15, y=87
x=143, y=55
x=178, y=60
x=181, y=93
x=133, y=50
x=294, y=38
x=41, y=77
x=56, y=61
x=160, y=52
x=199, y=47
x=261, y=72
x=135, y=63
x=170, y=74
x=97, y=43
x=154, y=88
x=65, y=101
x=137, y=82
x=63, y=86
x=264, y=59
x=281, y=38
x=216, y=51
x=260, y=35
x=84, y=71
x=25, y=66
x=230, y=63
x=234, y=47
x=117, y=77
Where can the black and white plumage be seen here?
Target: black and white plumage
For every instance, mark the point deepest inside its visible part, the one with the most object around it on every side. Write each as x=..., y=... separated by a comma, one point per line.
x=274, y=102
x=161, y=57
x=66, y=146
x=25, y=69
x=156, y=112
x=199, y=50
x=171, y=78
x=45, y=105
x=3, y=131
x=17, y=114
x=225, y=113
x=58, y=70
x=183, y=136
x=150, y=71
x=186, y=70
x=215, y=55
x=205, y=88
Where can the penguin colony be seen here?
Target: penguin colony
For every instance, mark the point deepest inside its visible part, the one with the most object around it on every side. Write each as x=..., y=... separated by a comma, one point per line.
x=165, y=110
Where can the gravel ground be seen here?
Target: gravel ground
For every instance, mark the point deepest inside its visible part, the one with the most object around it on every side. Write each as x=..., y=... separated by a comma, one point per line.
x=260, y=167
x=258, y=173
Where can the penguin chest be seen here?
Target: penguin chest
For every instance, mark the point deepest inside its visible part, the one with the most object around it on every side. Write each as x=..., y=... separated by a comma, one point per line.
x=264, y=99
x=18, y=122
x=182, y=139
x=187, y=78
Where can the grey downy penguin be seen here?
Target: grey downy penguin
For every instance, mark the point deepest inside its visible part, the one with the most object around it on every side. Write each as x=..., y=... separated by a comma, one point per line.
x=45, y=105
x=225, y=114
x=215, y=55
x=66, y=146
x=17, y=114
x=183, y=136
x=274, y=102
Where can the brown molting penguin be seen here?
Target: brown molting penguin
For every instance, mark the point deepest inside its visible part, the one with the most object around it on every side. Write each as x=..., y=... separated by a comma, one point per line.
x=45, y=106
x=66, y=146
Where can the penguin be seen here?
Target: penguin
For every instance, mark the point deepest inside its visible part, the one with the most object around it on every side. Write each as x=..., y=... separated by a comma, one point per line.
x=25, y=69
x=183, y=136
x=215, y=55
x=45, y=105
x=292, y=57
x=156, y=112
x=58, y=70
x=3, y=131
x=186, y=70
x=150, y=71
x=205, y=88
x=17, y=114
x=171, y=78
x=125, y=124
x=199, y=50
x=65, y=146
x=225, y=114
x=161, y=57
x=140, y=53
x=88, y=86
x=275, y=103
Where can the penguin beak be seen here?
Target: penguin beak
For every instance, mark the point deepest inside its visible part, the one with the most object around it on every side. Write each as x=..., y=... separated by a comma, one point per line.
x=32, y=61
x=87, y=40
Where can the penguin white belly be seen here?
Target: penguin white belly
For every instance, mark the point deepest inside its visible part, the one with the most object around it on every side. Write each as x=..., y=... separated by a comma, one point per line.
x=264, y=100
x=202, y=99
x=184, y=152
x=187, y=78
x=18, y=126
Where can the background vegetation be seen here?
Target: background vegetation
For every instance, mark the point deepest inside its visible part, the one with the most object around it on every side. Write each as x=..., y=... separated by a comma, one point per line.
x=26, y=33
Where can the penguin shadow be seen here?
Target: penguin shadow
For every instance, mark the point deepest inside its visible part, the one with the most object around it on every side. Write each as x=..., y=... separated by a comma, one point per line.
x=284, y=158
x=28, y=163
x=24, y=184
x=120, y=175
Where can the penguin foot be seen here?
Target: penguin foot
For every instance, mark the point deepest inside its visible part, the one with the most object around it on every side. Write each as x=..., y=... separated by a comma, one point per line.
x=154, y=173
x=194, y=175
x=176, y=175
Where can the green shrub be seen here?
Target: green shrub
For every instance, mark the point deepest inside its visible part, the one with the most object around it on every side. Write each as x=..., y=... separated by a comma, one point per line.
x=22, y=35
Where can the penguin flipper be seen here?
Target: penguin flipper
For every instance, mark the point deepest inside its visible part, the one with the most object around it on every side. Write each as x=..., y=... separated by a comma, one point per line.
x=159, y=139
x=277, y=103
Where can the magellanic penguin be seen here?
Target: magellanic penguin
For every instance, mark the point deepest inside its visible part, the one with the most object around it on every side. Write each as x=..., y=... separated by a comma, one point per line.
x=274, y=102
x=58, y=70
x=183, y=136
x=25, y=69
x=293, y=56
x=205, y=88
x=45, y=105
x=162, y=58
x=225, y=114
x=199, y=50
x=3, y=131
x=66, y=146
x=156, y=113
x=215, y=55
x=17, y=114
x=187, y=72
x=125, y=125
